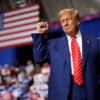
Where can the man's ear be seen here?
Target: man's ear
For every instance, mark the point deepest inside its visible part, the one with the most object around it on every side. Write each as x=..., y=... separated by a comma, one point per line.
x=78, y=21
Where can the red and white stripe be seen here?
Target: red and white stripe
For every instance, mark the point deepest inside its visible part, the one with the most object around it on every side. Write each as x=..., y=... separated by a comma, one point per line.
x=18, y=26
x=77, y=61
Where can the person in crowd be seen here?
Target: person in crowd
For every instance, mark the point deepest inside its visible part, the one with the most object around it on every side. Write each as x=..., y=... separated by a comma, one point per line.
x=1, y=81
x=16, y=63
x=5, y=71
x=30, y=77
x=37, y=68
x=9, y=87
x=29, y=67
x=21, y=75
x=26, y=93
x=74, y=59
x=13, y=71
x=8, y=78
x=45, y=68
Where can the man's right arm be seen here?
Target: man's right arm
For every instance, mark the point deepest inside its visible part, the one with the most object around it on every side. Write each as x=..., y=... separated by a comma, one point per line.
x=40, y=52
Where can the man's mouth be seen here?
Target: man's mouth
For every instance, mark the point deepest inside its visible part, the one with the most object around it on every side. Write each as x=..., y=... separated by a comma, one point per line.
x=67, y=27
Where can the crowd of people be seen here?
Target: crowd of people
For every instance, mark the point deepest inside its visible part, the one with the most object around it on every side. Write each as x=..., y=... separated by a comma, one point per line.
x=28, y=82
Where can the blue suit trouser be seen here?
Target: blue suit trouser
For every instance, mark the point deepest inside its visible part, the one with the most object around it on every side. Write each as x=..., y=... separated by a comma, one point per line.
x=77, y=92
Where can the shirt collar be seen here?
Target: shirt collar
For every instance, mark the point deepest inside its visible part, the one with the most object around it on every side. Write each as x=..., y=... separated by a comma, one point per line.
x=78, y=35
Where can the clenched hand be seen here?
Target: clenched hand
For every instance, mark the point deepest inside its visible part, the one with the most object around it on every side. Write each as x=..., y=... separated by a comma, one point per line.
x=42, y=27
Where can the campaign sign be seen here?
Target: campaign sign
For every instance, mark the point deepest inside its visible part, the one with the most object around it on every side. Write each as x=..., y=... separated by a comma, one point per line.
x=17, y=92
x=30, y=78
x=34, y=96
x=36, y=88
x=40, y=99
x=43, y=93
x=5, y=71
x=25, y=81
x=0, y=96
x=41, y=78
x=6, y=96
x=14, y=80
x=45, y=70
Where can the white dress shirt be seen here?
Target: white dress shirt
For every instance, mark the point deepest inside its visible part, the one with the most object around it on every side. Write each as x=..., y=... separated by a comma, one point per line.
x=79, y=40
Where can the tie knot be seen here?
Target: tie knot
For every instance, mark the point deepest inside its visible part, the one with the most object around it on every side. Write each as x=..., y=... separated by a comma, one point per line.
x=73, y=37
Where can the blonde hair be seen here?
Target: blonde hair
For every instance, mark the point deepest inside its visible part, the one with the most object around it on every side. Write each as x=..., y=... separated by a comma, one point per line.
x=72, y=11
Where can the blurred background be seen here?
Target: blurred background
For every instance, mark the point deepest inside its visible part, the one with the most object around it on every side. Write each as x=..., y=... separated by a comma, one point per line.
x=20, y=77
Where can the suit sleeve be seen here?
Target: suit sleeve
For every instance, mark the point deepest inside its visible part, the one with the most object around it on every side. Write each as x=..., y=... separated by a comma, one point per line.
x=40, y=52
x=99, y=59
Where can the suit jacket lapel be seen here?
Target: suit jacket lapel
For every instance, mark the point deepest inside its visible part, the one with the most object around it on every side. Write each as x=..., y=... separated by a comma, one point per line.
x=65, y=49
x=85, y=49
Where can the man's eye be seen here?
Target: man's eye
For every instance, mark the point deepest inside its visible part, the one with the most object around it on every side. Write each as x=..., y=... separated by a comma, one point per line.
x=62, y=21
x=68, y=19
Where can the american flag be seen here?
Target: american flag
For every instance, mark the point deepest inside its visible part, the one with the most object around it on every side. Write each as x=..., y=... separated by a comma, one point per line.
x=17, y=25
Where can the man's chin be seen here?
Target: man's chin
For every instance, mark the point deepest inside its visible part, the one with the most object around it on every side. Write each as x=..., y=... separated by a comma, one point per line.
x=69, y=33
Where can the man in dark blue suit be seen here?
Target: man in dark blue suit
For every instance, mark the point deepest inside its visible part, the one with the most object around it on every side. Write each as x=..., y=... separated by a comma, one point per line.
x=74, y=59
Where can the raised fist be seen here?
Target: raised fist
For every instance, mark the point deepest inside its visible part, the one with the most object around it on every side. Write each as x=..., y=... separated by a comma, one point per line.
x=42, y=27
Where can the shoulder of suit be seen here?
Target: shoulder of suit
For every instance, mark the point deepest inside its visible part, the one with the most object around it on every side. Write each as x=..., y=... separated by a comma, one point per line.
x=92, y=38
x=55, y=39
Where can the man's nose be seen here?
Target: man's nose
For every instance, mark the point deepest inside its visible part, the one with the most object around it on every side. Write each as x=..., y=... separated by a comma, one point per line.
x=66, y=23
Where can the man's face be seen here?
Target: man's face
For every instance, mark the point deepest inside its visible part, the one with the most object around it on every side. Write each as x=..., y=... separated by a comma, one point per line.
x=69, y=23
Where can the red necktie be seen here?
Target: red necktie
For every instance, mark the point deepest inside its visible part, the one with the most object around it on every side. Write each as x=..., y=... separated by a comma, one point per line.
x=77, y=61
